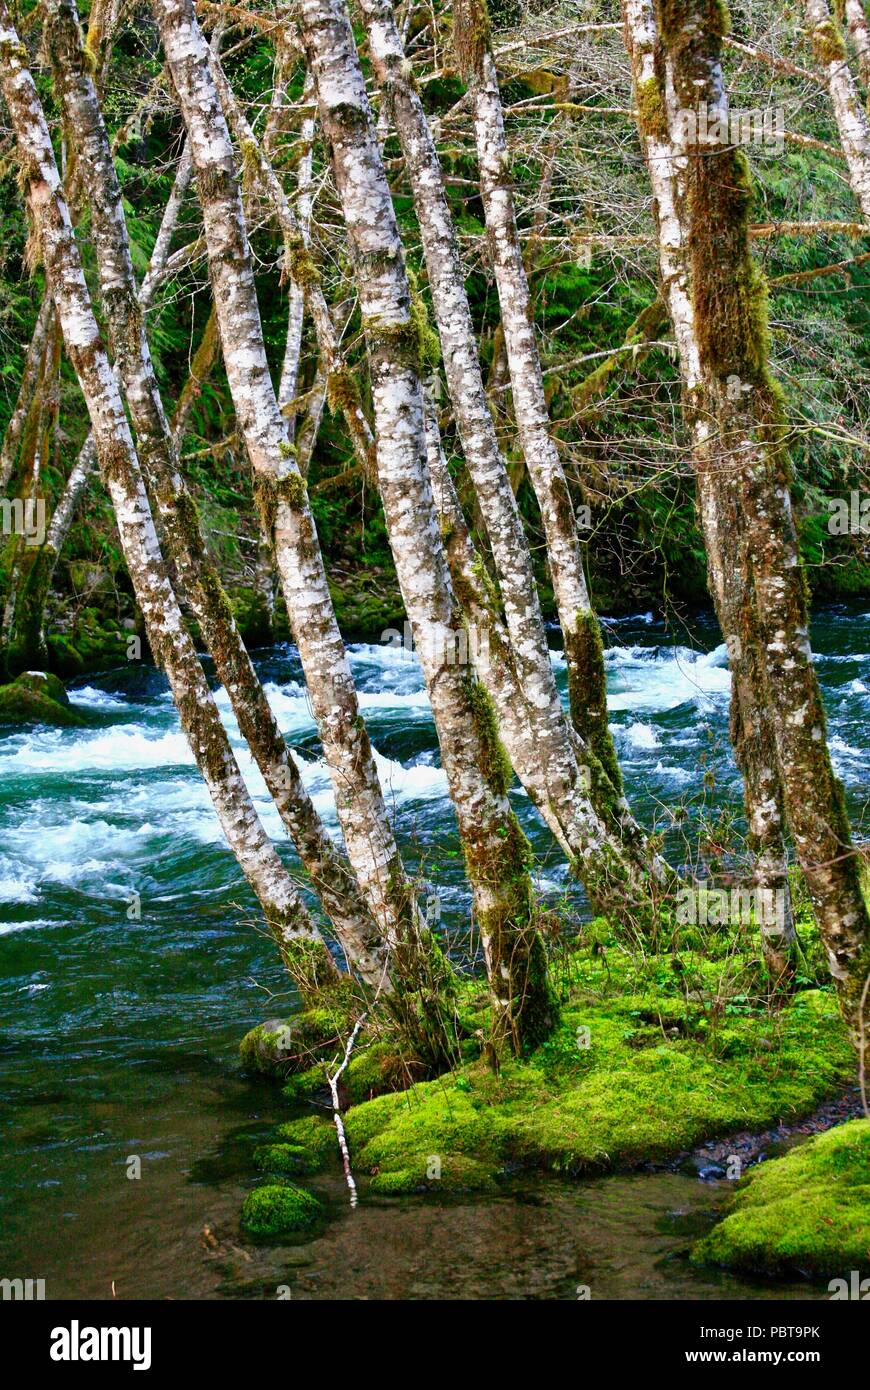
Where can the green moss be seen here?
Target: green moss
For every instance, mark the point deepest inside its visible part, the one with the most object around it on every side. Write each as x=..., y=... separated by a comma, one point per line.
x=64, y=658
x=314, y=1135
x=429, y=1173
x=28, y=701
x=495, y=763
x=372, y=1072
x=279, y=1210
x=829, y=45
x=269, y=492
x=429, y=344
x=634, y=1072
x=281, y=1047
x=301, y=264
x=807, y=1213
x=397, y=343
x=290, y=1159
x=651, y=113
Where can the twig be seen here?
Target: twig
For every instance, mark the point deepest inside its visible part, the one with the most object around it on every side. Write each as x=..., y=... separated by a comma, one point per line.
x=336, y=1109
x=862, y=1047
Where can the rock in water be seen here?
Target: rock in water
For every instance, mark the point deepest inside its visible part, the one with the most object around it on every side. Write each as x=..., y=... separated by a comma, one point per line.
x=37, y=698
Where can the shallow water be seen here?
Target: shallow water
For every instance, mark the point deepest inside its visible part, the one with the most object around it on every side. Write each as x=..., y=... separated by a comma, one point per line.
x=118, y=1031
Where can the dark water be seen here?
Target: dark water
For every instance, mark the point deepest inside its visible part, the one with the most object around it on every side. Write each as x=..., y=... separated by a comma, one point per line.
x=131, y=963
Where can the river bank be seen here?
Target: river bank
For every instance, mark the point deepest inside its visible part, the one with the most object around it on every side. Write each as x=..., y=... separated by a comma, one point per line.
x=119, y=1035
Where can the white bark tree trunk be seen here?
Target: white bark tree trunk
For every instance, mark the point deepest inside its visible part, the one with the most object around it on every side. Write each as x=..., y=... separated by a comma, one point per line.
x=851, y=117
x=580, y=629
x=198, y=577
x=564, y=786
x=496, y=853
x=859, y=29
x=415, y=963
x=119, y=466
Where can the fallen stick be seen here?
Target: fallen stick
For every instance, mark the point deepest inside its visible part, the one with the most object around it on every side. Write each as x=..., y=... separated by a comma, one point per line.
x=339, y=1126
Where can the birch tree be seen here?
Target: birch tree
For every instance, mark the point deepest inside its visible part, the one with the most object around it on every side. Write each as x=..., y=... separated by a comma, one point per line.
x=416, y=964
x=300, y=943
x=496, y=852
x=852, y=119
x=198, y=578
x=580, y=629
x=567, y=777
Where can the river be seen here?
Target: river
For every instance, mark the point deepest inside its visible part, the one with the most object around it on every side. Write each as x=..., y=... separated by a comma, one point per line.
x=131, y=963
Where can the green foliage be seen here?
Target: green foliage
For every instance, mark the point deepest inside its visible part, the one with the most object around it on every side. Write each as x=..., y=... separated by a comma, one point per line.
x=805, y=1214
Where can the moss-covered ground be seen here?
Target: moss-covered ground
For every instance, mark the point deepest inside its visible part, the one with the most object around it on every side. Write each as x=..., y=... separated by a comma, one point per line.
x=805, y=1214
x=653, y=1055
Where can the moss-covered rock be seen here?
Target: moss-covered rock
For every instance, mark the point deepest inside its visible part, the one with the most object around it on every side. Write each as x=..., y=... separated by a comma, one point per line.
x=291, y=1159
x=280, y=1047
x=279, y=1209
x=432, y=1173
x=807, y=1213
x=653, y=1055
x=37, y=698
x=43, y=683
x=65, y=660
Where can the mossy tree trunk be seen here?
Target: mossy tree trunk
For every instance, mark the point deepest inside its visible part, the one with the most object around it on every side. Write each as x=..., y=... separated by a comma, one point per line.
x=197, y=575
x=297, y=937
x=720, y=513
x=730, y=323
x=415, y=966
x=566, y=779
x=496, y=852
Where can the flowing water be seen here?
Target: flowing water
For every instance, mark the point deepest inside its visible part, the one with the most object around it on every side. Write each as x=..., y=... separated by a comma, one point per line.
x=131, y=964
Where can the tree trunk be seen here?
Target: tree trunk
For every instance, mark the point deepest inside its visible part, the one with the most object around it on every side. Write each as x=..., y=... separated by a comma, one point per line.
x=29, y=379
x=199, y=580
x=300, y=944
x=730, y=327
x=852, y=120
x=289, y=386
x=416, y=964
x=580, y=629
x=496, y=853
x=856, y=21
x=720, y=513
x=566, y=786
